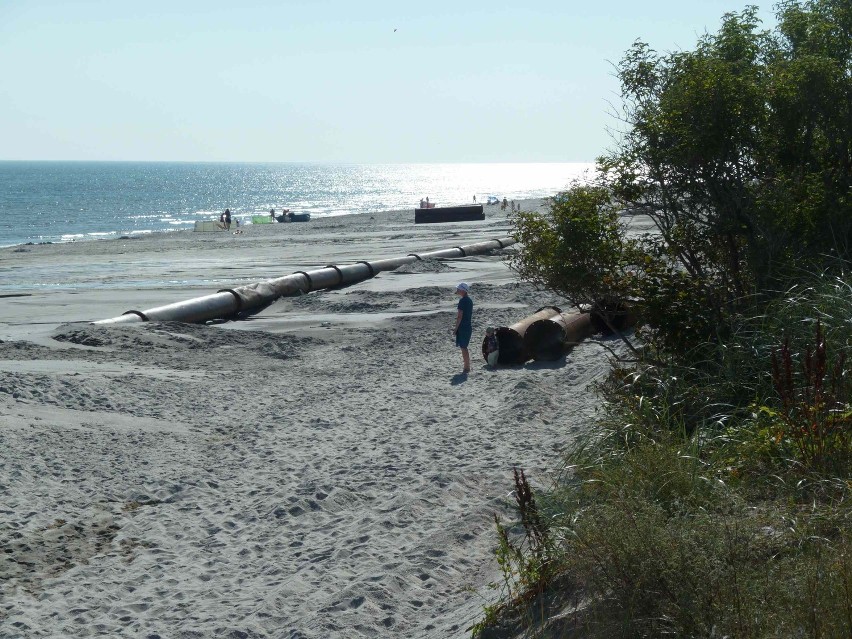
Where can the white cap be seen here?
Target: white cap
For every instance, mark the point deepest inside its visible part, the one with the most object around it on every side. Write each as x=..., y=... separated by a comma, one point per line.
x=463, y=287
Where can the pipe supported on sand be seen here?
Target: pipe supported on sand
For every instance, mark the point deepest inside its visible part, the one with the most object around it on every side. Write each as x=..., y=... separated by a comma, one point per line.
x=511, y=339
x=549, y=333
x=253, y=297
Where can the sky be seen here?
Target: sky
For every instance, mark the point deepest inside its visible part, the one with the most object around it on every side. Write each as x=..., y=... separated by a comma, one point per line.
x=326, y=80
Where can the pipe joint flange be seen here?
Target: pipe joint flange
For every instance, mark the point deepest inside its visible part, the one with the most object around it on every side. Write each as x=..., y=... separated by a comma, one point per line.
x=499, y=241
x=236, y=297
x=339, y=273
x=555, y=308
x=138, y=314
x=461, y=248
x=415, y=255
x=307, y=277
x=369, y=267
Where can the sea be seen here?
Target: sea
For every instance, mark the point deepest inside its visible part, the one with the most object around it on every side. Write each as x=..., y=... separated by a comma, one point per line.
x=79, y=201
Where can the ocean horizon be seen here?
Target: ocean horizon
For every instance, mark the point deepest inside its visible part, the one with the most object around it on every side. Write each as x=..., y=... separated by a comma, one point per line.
x=67, y=201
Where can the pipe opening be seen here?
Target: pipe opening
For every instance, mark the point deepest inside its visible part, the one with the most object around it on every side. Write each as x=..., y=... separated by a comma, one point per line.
x=545, y=340
x=511, y=344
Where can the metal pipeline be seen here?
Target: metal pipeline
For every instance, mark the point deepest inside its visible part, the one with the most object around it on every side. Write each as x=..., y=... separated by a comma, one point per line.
x=548, y=339
x=446, y=254
x=352, y=273
x=391, y=263
x=228, y=303
x=221, y=304
x=511, y=338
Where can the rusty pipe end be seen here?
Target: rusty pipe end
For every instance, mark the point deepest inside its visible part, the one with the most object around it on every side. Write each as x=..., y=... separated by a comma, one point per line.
x=545, y=341
x=511, y=344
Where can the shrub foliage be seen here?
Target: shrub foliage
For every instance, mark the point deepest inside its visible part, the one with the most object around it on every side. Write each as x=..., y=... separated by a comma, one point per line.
x=714, y=498
x=740, y=153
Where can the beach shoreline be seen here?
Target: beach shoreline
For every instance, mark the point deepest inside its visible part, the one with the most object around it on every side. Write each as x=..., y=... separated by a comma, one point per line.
x=83, y=201
x=319, y=469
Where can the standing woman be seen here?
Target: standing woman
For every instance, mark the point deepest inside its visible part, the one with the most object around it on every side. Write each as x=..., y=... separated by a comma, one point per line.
x=464, y=324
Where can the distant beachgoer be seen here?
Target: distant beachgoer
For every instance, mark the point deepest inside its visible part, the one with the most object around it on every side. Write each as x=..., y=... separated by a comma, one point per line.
x=464, y=323
x=427, y=201
x=474, y=198
x=513, y=206
x=272, y=214
x=422, y=203
x=505, y=204
x=226, y=218
x=492, y=347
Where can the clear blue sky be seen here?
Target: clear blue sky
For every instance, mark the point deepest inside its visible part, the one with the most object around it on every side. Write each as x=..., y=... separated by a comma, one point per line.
x=256, y=80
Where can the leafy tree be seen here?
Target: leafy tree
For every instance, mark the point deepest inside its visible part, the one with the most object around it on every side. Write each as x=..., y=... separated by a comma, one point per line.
x=739, y=152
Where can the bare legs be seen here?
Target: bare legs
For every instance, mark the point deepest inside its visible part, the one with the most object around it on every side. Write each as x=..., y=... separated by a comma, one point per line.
x=466, y=358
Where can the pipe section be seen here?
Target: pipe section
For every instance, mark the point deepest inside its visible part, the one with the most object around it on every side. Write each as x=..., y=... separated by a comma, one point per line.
x=548, y=339
x=228, y=303
x=511, y=338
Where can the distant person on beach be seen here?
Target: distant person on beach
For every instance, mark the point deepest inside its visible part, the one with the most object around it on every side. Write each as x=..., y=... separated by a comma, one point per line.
x=505, y=204
x=464, y=323
x=226, y=219
x=492, y=347
x=474, y=198
x=272, y=214
x=422, y=203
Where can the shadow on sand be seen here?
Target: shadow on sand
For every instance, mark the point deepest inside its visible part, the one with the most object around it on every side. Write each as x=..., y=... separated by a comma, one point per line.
x=536, y=365
x=458, y=378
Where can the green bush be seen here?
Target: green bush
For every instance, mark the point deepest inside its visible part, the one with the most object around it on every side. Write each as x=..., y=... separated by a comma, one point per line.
x=739, y=152
x=701, y=507
x=715, y=497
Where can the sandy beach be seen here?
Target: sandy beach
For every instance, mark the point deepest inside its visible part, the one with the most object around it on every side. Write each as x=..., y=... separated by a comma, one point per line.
x=317, y=470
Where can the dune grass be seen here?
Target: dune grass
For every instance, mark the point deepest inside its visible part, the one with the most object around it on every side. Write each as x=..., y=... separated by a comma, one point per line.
x=713, y=500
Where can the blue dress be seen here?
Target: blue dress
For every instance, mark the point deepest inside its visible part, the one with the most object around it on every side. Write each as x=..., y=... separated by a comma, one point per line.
x=466, y=326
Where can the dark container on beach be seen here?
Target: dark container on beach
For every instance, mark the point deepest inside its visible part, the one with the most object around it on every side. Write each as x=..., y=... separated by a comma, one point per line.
x=465, y=213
